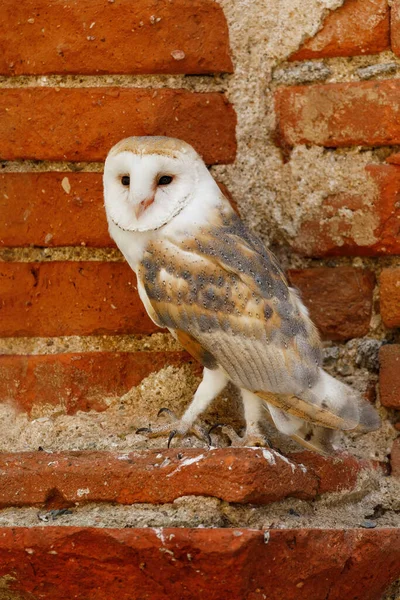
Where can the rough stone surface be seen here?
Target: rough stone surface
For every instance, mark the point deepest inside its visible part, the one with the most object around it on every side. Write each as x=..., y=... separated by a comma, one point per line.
x=355, y=224
x=198, y=564
x=83, y=124
x=339, y=300
x=70, y=298
x=395, y=458
x=84, y=381
x=389, y=375
x=357, y=27
x=342, y=114
x=390, y=297
x=98, y=37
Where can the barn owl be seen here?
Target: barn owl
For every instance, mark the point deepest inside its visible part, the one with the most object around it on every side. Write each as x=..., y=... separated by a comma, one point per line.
x=203, y=275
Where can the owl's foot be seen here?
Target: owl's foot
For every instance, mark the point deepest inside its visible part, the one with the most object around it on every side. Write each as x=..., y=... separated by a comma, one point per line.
x=252, y=437
x=175, y=428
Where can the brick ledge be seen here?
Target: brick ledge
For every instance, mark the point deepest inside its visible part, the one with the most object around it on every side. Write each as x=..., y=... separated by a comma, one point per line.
x=241, y=475
x=211, y=564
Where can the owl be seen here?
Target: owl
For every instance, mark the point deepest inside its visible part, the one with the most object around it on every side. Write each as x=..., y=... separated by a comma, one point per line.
x=204, y=276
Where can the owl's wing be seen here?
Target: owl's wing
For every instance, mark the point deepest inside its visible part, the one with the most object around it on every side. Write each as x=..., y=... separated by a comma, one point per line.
x=224, y=296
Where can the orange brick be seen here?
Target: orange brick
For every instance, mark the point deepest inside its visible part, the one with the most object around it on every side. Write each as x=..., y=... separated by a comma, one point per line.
x=40, y=37
x=394, y=159
x=356, y=27
x=395, y=26
x=372, y=229
x=55, y=563
x=339, y=300
x=242, y=475
x=81, y=124
x=339, y=114
x=81, y=381
x=390, y=297
x=56, y=209
x=70, y=298
x=389, y=375
x=52, y=209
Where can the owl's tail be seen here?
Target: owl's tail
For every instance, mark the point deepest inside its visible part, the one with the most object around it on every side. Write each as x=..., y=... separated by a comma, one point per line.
x=328, y=405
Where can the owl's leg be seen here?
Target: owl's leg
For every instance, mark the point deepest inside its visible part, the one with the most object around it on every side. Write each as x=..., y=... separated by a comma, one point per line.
x=253, y=410
x=212, y=384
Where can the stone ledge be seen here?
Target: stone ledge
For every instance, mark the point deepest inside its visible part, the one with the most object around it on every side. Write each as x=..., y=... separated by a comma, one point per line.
x=211, y=564
x=240, y=475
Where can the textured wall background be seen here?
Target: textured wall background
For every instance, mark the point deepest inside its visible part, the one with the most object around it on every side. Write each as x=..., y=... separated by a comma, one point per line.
x=295, y=106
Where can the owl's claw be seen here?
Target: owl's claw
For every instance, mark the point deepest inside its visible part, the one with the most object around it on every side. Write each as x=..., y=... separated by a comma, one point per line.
x=180, y=428
x=252, y=437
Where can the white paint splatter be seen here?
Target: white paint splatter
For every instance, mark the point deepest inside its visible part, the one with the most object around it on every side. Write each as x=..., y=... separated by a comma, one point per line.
x=82, y=492
x=186, y=463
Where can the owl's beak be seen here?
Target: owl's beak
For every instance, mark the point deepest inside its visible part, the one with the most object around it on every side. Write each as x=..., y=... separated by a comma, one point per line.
x=140, y=207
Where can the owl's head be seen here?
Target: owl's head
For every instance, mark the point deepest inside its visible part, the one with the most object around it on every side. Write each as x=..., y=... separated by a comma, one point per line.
x=149, y=180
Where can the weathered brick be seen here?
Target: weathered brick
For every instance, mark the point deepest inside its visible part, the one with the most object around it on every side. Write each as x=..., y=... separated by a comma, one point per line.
x=55, y=563
x=390, y=297
x=113, y=37
x=395, y=26
x=389, y=375
x=339, y=299
x=79, y=381
x=394, y=159
x=395, y=458
x=55, y=209
x=52, y=209
x=356, y=27
x=81, y=124
x=242, y=475
x=351, y=225
x=339, y=114
x=70, y=298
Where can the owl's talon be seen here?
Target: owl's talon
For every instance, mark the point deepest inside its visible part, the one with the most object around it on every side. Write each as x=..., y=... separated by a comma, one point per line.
x=171, y=437
x=215, y=426
x=251, y=438
x=143, y=430
x=168, y=412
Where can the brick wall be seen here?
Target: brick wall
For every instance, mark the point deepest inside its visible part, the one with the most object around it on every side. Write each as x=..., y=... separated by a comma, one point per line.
x=306, y=137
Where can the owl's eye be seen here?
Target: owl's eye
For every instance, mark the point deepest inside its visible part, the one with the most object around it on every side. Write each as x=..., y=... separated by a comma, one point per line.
x=125, y=180
x=164, y=180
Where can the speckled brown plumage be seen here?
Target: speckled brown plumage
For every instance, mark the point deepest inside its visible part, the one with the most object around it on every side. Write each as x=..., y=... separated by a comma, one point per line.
x=229, y=303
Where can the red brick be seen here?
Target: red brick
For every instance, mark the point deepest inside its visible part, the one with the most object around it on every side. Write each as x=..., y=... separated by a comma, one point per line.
x=390, y=297
x=339, y=299
x=81, y=124
x=54, y=563
x=339, y=114
x=242, y=475
x=36, y=209
x=70, y=298
x=55, y=209
x=113, y=37
x=372, y=229
x=389, y=375
x=335, y=473
x=395, y=26
x=394, y=159
x=78, y=381
x=395, y=458
x=356, y=27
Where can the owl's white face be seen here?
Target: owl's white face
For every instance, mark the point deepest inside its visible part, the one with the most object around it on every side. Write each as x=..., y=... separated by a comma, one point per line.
x=147, y=184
